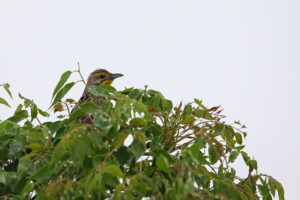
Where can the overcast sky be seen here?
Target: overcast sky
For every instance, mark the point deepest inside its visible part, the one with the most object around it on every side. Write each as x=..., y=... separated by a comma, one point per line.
x=243, y=55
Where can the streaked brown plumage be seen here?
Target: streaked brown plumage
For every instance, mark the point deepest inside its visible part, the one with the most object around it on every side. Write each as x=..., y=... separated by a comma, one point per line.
x=97, y=77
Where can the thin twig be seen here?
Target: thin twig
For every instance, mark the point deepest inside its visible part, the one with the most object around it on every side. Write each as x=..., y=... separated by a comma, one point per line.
x=65, y=170
x=54, y=184
x=212, y=169
x=103, y=161
x=79, y=128
x=244, y=191
x=81, y=74
x=68, y=109
x=38, y=120
x=226, y=162
x=5, y=197
x=40, y=155
x=78, y=80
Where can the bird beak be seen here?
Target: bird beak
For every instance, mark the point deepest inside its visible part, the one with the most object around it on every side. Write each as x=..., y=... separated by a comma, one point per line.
x=114, y=76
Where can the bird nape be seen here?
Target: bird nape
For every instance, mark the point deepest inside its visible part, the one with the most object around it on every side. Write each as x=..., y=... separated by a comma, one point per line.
x=97, y=77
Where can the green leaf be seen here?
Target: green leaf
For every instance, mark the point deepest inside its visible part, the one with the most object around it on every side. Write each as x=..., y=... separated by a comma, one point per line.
x=21, y=97
x=138, y=148
x=169, y=106
x=62, y=93
x=154, y=102
x=140, y=135
x=101, y=122
x=188, y=109
x=233, y=155
x=213, y=154
x=20, y=106
x=78, y=154
x=27, y=102
x=43, y=113
x=203, y=114
x=199, y=102
x=279, y=189
x=120, y=139
x=253, y=164
x=188, y=120
x=44, y=173
x=200, y=143
x=113, y=170
x=220, y=170
x=59, y=154
x=166, y=155
x=25, y=164
x=242, y=195
x=155, y=92
x=2, y=176
x=6, y=87
x=229, y=133
x=75, y=115
x=166, y=105
x=220, y=128
x=108, y=88
x=138, y=122
x=89, y=107
x=196, y=153
x=41, y=196
x=272, y=186
x=63, y=79
x=22, y=113
x=4, y=102
x=113, y=132
x=107, y=107
x=100, y=91
x=139, y=107
x=238, y=138
x=135, y=94
x=245, y=157
x=126, y=91
x=33, y=111
x=109, y=179
x=122, y=155
x=162, y=164
x=264, y=191
x=17, y=118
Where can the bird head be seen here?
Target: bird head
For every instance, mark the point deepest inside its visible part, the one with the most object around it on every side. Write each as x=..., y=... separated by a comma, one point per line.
x=102, y=76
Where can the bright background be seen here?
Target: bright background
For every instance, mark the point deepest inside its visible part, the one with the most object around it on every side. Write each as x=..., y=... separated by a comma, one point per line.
x=243, y=55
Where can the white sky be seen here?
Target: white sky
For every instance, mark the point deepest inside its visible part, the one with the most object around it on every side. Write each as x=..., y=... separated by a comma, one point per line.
x=243, y=55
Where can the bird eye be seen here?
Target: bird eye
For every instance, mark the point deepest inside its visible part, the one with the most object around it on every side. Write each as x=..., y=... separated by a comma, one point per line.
x=102, y=76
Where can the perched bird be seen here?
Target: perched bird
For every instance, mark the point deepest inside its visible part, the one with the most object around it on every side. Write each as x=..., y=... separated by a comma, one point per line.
x=97, y=77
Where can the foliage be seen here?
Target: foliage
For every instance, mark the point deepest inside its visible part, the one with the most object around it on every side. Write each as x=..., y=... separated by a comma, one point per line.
x=139, y=146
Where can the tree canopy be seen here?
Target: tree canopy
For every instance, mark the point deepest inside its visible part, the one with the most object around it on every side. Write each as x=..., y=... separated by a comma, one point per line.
x=139, y=146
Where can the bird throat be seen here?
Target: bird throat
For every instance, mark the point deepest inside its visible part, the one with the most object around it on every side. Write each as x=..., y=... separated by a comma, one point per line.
x=107, y=82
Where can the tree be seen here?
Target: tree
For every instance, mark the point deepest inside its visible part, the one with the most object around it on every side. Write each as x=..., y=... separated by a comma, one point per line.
x=139, y=146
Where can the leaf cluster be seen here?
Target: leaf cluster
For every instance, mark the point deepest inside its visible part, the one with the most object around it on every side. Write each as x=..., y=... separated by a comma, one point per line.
x=139, y=146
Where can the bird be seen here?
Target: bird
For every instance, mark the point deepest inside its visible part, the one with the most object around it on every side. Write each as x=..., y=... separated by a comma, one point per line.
x=97, y=77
